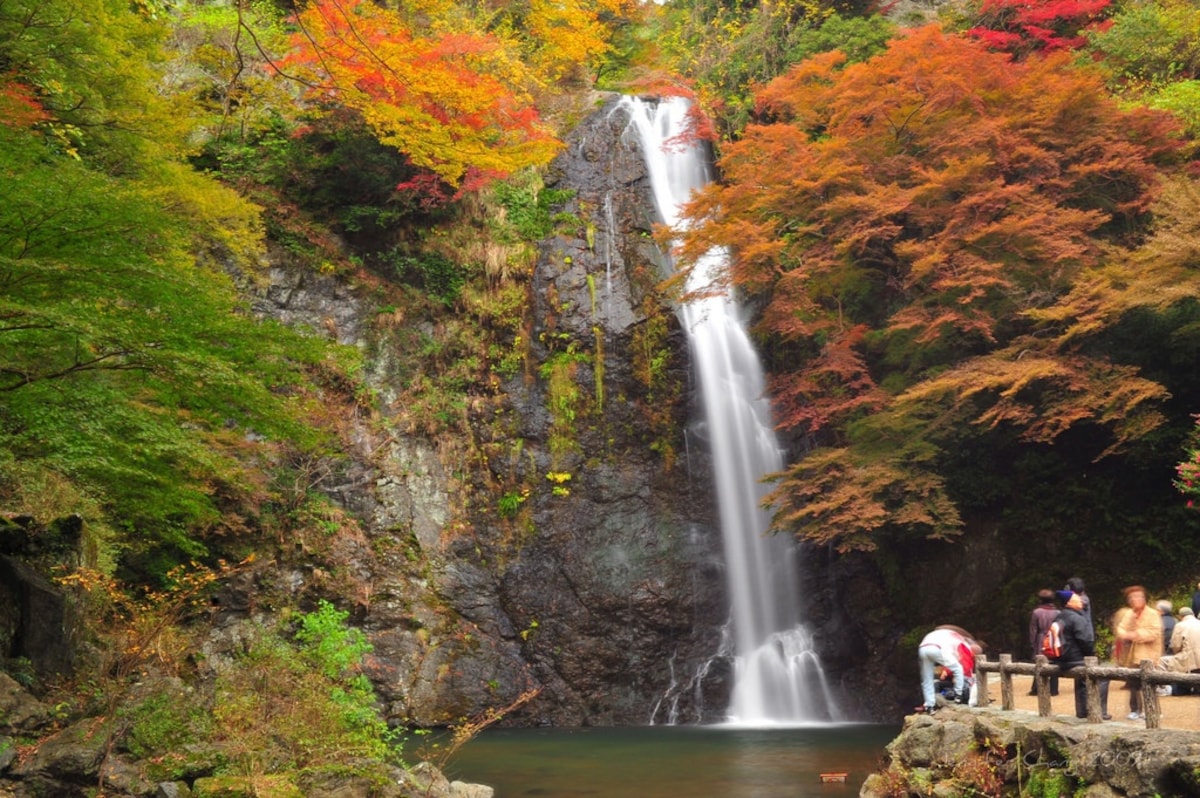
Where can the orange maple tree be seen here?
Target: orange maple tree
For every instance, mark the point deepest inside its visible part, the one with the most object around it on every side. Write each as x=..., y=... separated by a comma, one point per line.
x=455, y=103
x=900, y=221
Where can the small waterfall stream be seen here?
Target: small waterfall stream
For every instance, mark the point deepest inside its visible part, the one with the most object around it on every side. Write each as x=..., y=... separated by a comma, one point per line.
x=778, y=676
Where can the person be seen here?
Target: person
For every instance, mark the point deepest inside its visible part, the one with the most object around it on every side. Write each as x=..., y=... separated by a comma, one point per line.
x=946, y=646
x=1185, y=648
x=1137, y=633
x=1040, y=619
x=1075, y=585
x=944, y=686
x=1168, y=621
x=1078, y=641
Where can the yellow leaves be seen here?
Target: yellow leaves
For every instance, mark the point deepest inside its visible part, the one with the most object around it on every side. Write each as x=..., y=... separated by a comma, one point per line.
x=568, y=32
x=216, y=213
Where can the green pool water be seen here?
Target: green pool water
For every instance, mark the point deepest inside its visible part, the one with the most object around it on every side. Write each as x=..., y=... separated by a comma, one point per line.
x=672, y=761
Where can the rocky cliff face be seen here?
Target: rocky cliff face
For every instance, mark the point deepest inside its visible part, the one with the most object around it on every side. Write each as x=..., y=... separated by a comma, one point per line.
x=598, y=579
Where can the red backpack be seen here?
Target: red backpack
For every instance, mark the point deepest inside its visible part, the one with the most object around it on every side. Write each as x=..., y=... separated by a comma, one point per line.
x=1052, y=641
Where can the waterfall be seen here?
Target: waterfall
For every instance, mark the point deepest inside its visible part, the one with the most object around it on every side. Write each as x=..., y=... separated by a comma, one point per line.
x=777, y=674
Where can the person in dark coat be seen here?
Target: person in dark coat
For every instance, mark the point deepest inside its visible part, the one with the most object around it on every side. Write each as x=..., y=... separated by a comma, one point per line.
x=1168, y=622
x=1039, y=622
x=1079, y=641
x=1075, y=585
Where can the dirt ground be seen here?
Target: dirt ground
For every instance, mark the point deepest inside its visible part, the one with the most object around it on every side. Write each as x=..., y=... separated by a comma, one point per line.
x=1178, y=712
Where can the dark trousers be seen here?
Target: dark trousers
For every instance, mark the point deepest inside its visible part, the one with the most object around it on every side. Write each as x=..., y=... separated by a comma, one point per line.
x=1134, y=686
x=1053, y=686
x=1081, y=694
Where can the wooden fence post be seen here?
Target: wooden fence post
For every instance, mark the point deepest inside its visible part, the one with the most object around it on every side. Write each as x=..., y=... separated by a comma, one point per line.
x=981, y=682
x=1093, y=689
x=1006, y=693
x=1041, y=683
x=1150, y=709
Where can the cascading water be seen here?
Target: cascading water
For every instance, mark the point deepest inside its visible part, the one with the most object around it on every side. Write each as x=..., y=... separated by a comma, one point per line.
x=778, y=676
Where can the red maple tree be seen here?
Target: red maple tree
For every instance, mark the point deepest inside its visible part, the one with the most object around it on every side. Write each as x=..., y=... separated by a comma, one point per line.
x=900, y=220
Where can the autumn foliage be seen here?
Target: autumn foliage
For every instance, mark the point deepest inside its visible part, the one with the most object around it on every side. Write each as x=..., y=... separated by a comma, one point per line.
x=1022, y=27
x=903, y=221
x=453, y=102
x=19, y=107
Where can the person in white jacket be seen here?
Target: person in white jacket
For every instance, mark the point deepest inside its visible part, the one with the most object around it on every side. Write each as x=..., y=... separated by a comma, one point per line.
x=946, y=646
x=1185, y=644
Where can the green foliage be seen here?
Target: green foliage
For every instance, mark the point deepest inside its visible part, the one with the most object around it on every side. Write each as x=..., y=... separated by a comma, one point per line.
x=284, y=708
x=1151, y=54
x=334, y=648
x=729, y=48
x=223, y=71
x=1150, y=44
x=1181, y=98
x=564, y=400
x=510, y=503
x=125, y=369
x=651, y=356
x=1047, y=782
x=168, y=731
x=858, y=37
x=97, y=67
x=527, y=206
x=438, y=276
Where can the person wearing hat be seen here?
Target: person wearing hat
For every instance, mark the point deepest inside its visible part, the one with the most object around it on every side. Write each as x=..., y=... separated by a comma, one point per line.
x=1079, y=641
x=1075, y=585
x=1040, y=619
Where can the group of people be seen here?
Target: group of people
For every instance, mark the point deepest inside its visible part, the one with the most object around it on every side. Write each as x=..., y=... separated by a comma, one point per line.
x=1139, y=633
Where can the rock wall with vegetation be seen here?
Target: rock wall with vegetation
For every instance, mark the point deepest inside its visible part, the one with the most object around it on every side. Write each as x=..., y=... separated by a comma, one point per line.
x=559, y=535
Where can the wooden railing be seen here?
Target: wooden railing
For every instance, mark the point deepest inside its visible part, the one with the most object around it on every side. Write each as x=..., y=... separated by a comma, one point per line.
x=1091, y=671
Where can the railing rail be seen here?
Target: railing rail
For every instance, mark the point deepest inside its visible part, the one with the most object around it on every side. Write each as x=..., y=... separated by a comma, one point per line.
x=1092, y=671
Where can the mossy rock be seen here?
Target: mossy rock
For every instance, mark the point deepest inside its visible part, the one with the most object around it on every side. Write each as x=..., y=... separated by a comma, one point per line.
x=246, y=787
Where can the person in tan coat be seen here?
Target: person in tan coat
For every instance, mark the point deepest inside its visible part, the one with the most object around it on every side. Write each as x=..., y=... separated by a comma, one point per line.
x=1137, y=630
x=1185, y=648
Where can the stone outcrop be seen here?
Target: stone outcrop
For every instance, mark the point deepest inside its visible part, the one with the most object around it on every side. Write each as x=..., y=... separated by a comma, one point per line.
x=605, y=591
x=81, y=758
x=981, y=751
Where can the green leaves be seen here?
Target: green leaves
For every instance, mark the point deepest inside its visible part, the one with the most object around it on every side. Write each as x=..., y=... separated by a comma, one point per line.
x=124, y=365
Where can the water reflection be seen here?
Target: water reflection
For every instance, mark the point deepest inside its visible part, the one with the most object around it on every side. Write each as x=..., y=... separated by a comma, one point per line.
x=667, y=762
